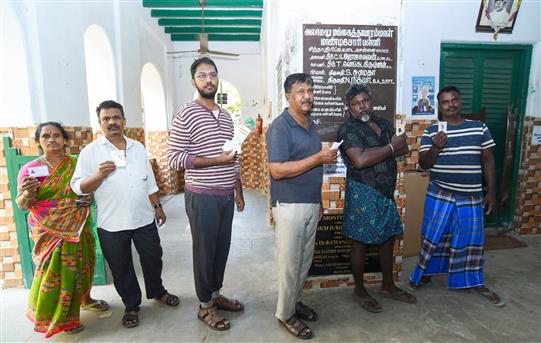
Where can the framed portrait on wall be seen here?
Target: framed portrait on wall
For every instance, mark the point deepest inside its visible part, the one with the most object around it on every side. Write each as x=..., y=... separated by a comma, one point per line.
x=498, y=16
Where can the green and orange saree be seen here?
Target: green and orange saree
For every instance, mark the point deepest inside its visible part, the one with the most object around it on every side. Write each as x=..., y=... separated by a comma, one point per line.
x=64, y=251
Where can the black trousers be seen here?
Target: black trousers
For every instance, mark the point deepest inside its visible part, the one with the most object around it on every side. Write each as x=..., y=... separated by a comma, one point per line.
x=116, y=247
x=211, y=217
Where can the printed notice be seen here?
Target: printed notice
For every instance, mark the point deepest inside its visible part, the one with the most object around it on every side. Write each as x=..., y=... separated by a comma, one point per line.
x=536, y=135
x=338, y=56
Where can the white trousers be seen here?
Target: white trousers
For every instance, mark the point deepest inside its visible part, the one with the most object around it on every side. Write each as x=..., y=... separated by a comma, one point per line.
x=295, y=237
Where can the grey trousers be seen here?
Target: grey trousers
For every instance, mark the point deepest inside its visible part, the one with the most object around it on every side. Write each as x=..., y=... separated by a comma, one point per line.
x=210, y=217
x=296, y=226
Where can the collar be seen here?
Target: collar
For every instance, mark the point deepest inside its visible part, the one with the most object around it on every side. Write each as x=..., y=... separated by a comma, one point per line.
x=104, y=141
x=206, y=108
x=292, y=122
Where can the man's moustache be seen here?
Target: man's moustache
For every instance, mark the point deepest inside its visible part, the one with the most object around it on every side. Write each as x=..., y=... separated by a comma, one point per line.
x=110, y=127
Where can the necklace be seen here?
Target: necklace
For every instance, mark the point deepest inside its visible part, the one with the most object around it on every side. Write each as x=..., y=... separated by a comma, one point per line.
x=49, y=164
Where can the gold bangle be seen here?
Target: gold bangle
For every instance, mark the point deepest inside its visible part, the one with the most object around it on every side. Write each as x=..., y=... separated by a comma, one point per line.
x=24, y=194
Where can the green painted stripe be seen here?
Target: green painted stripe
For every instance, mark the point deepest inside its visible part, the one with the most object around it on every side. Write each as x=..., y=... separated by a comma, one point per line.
x=197, y=29
x=209, y=14
x=214, y=37
x=209, y=22
x=195, y=3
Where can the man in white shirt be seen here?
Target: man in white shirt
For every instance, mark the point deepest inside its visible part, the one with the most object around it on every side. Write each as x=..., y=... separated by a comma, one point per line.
x=116, y=169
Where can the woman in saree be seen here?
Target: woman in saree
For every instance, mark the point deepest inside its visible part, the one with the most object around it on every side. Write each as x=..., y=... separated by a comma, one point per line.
x=64, y=251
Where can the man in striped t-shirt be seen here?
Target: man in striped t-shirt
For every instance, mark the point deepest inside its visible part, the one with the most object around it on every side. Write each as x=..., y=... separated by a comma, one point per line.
x=459, y=158
x=212, y=187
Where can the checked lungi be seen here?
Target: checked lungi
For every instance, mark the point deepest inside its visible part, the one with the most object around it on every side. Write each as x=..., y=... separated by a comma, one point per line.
x=453, y=238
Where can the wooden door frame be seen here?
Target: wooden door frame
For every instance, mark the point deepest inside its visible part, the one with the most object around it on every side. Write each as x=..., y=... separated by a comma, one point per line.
x=524, y=75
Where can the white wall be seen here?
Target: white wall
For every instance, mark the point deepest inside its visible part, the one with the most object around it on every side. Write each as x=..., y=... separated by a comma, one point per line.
x=423, y=26
x=54, y=42
x=244, y=72
x=427, y=25
x=533, y=105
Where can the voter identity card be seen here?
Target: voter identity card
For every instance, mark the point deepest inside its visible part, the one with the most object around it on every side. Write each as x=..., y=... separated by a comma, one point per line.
x=119, y=157
x=442, y=126
x=38, y=171
x=400, y=129
x=336, y=145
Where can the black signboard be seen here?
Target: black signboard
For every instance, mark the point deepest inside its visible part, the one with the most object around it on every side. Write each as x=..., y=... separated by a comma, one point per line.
x=331, y=255
x=338, y=56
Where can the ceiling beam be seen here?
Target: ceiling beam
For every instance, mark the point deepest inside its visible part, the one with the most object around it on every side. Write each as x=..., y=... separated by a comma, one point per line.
x=208, y=14
x=209, y=22
x=197, y=29
x=195, y=3
x=215, y=37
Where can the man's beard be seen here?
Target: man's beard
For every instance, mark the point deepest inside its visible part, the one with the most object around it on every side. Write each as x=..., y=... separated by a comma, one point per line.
x=207, y=95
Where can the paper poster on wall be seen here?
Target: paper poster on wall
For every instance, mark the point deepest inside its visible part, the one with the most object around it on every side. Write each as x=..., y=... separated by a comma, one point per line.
x=536, y=135
x=422, y=95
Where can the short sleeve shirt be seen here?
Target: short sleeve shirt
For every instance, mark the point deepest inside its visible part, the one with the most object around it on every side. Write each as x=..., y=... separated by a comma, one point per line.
x=357, y=134
x=458, y=166
x=289, y=141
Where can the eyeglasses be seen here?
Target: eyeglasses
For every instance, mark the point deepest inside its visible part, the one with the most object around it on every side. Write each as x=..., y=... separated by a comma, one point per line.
x=204, y=76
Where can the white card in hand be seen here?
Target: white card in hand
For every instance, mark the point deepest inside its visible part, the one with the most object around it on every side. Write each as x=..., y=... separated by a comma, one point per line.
x=400, y=129
x=158, y=224
x=38, y=171
x=119, y=157
x=336, y=145
x=442, y=126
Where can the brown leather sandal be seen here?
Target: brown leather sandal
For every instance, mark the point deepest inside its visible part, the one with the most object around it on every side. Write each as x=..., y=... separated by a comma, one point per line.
x=297, y=328
x=213, y=318
x=226, y=304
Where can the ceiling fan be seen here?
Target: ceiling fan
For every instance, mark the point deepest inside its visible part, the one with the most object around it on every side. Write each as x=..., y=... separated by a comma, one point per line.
x=203, y=40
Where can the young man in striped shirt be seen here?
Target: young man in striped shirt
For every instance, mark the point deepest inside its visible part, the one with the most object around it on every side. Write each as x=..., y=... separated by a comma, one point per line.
x=453, y=227
x=212, y=187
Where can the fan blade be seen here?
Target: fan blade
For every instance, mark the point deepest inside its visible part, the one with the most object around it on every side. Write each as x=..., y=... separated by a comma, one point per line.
x=180, y=52
x=222, y=53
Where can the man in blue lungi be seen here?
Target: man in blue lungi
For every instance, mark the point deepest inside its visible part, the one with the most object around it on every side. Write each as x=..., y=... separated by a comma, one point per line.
x=459, y=158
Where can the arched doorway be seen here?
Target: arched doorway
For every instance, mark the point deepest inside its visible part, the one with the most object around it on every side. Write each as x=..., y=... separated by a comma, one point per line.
x=16, y=107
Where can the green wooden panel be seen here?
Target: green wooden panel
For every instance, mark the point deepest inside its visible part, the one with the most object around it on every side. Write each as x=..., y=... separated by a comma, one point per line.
x=209, y=14
x=197, y=29
x=14, y=162
x=195, y=3
x=490, y=77
x=209, y=22
x=215, y=37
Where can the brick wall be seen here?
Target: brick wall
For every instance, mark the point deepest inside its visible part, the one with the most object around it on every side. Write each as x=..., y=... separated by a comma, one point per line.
x=527, y=216
x=169, y=181
x=251, y=162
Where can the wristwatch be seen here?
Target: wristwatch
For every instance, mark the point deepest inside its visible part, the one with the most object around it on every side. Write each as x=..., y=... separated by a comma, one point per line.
x=158, y=205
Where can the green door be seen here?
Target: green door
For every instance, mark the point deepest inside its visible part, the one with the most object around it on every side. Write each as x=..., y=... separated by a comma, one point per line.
x=14, y=162
x=490, y=78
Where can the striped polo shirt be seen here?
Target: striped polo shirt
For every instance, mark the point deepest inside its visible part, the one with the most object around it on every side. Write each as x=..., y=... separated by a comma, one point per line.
x=458, y=166
x=196, y=132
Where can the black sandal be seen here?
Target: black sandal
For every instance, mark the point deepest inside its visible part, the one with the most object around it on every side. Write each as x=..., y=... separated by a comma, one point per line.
x=304, y=312
x=130, y=319
x=169, y=299
x=297, y=328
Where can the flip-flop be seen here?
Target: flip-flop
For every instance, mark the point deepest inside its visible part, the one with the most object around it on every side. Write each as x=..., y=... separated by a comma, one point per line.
x=96, y=305
x=76, y=329
x=368, y=303
x=399, y=295
x=425, y=281
x=487, y=295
